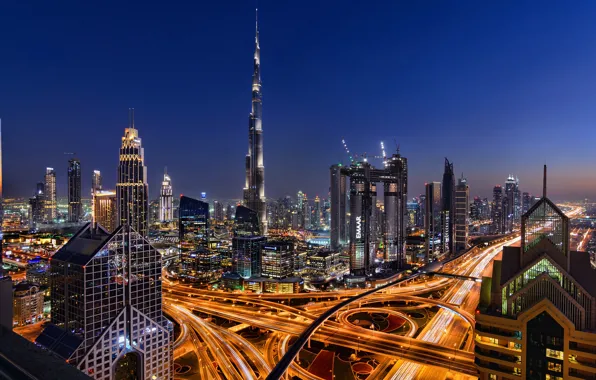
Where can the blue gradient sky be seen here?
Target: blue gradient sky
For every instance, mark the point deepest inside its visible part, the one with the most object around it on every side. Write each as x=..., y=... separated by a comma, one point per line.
x=498, y=87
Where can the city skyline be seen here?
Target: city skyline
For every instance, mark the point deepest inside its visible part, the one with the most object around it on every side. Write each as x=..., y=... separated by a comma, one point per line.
x=508, y=137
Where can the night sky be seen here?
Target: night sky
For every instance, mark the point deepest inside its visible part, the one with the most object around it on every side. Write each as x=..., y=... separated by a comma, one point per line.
x=497, y=88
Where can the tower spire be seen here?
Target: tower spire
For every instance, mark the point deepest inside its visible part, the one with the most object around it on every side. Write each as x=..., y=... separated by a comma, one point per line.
x=544, y=183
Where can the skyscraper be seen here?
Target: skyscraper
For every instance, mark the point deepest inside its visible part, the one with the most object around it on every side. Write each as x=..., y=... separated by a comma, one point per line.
x=462, y=212
x=105, y=210
x=254, y=188
x=36, y=206
x=317, y=214
x=432, y=219
x=106, y=302
x=132, y=189
x=166, y=212
x=447, y=209
x=96, y=181
x=74, y=190
x=536, y=319
x=246, y=243
x=218, y=211
x=395, y=194
x=50, y=201
x=509, y=201
x=526, y=202
x=337, y=207
x=497, y=211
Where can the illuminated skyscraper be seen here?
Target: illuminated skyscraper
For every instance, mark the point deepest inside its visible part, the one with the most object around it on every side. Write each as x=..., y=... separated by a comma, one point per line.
x=526, y=202
x=218, y=211
x=37, y=206
x=317, y=214
x=254, y=188
x=462, y=212
x=497, y=216
x=166, y=213
x=50, y=201
x=337, y=207
x=107, y=317
x=132, y=189
x=536, y=317
x=104, y=209
x=74, y=191
x=447, y=209
x=432, y=219
x=96, y=181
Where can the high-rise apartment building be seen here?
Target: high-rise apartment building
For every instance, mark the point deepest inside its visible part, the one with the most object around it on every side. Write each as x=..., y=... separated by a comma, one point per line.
x=526, y=202
x=166, y=211
x=96, y=181
x=218, y=211
x=462, y=213
x=50, y=200
x=107, y=318
x=497, y=216
x=447, y=209
x=536, y=318
x=132, y=189
x=75, y=207
x=432, y=220
x=105, y=211
x=254, y=188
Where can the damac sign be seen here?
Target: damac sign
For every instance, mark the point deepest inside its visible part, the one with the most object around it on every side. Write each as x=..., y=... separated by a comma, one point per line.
x=358, y=227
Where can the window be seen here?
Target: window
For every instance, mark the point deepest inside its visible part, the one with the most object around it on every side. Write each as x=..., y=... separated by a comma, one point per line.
x=553, y=377
x=492, y=376
x=554, y=354
x=555, y=367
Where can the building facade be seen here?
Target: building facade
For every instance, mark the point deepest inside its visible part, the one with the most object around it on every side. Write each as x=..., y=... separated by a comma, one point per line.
x=537, y=313
x=497, y=215
x=254, y=188
x=106, y=301
x=132, y=189
x=166, y=211
x=75, y=207
x=277, y=259
x=448, y=209
x=105, y=212
x=462, y=212
x=27, y=304
x=50, y=200
x=96, y=181
x=432, y=220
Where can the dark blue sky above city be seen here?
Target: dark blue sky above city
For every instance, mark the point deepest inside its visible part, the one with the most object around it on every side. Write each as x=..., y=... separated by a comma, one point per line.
x=498, y=87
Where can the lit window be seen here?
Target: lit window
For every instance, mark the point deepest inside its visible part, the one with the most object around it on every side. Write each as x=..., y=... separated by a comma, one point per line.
x=555, y=367
x=554, y=354
x=492, y=376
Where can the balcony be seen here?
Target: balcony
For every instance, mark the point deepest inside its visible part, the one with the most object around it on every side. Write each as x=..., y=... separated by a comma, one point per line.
x=498, y=331
x=494, y=367
x=495, y=355
x=582, y=348
x=581, y=374
x=488, y=345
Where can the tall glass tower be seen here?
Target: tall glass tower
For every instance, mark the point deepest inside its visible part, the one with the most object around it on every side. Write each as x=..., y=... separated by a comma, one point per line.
x=132, y=189
x=50, y=202
x=74, y=190
x=166, y=212
x=254, y=188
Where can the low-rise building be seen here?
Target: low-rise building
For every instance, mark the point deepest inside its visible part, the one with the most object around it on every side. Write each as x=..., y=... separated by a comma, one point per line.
x=27, y=304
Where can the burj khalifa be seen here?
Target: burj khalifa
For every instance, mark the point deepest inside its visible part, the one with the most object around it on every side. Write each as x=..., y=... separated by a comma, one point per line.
x=254, y=188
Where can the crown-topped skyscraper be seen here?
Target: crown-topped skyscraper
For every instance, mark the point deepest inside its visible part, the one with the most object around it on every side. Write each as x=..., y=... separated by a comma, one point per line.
x=254, y=188
x=132, y=189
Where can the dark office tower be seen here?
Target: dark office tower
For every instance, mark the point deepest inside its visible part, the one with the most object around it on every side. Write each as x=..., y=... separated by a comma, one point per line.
x=526, y=201
x=106, y=302
x=166, y=198
x=132, y=189
x=422, y=213
x=536, y=317
x=373, y=225
x=246, y=243
x=74, y=191
x=448, y=209
x=229, y=212
x=37, y=206
x=395, y=193
x=96, y=181
x=432, y=219
x=476, y=209
x=246, y=222
x=254, y=188
x=497, y=210
x=50, y=201
x=193, y=223
x=462, y=212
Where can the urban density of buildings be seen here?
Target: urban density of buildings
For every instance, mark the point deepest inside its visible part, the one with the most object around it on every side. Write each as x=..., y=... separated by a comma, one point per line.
x=363, y=281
